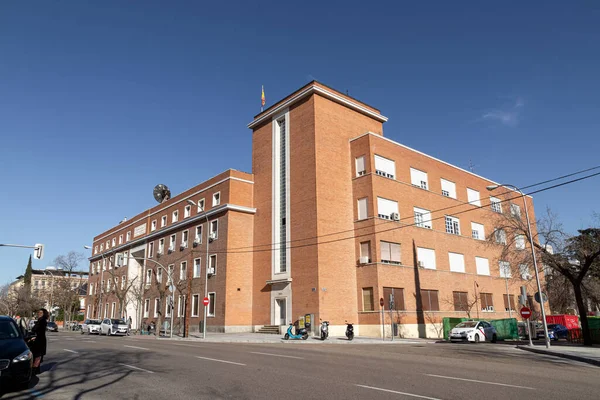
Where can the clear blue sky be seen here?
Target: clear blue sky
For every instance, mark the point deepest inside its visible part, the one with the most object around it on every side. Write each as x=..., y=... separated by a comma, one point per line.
x=100, y=101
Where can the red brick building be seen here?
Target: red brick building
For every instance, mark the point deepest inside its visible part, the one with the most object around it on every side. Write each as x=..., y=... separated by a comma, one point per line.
x=333, y=218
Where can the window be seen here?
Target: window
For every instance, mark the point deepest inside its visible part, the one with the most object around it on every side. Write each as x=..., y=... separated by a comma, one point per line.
x=171, y=268
x=198, y=237
x=153, y=226
x=101, y=247
x=195, y=304
x=448, y=189
x=362, y=208
x=161, y=246
x=367, y=294
x=500, y=236
x=520, y=242
x=156, y=307
x=496, y=204
x=175, y=216
x=120, y=239
x=168, y=306
x=429, y=298
x=123, y=282
x=181, y=306
x=146, y=308
x=95, y=249
x=385, y=167
x=197, y=268
x=422, y=218
x=125, y=258
x=504, y=267
x=150, y=249
x=212, y=265
x=390, y=252
x=148, y=277
x=360, y=166
x=104, y=264
x=452, y=225
x=477, y=231
x=482, y=265
x=183, y=271
x=200, y=205
x=172, y=243
x=418, y=178
x=393, y=298
x=211, y=304
x=426, y=258
x=114, y=242
x=128, y=237
x=107, y=244
x=515, y=210
x=473, y=197
x=487, y=303
x=461, y=301
x=216, y=199
x=386, y=208
x=159, y=273
x=214, y=229
x=365, y=252
x=457, y=262
x=163, y=221
x=184, y=238
x=509, y=300
x=187, y=211
x=524, y=271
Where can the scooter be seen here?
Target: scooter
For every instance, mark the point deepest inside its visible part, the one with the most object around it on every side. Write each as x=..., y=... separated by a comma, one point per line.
x=302, y=334
x=324, y=329
x=349, y=331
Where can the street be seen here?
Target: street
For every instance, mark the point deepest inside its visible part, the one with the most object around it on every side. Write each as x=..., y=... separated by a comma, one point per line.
x=91, y=367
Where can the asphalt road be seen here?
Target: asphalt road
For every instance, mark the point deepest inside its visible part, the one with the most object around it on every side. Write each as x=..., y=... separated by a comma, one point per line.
x=91, y=367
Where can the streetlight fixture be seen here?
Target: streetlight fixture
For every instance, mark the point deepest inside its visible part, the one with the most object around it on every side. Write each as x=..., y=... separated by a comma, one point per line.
x=206, y=262
x=537, y=276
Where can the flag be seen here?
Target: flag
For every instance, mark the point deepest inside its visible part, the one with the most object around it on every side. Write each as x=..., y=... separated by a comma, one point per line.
x=262, y=97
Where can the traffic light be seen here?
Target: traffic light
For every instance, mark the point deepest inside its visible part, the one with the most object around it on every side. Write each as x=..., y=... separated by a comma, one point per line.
x=38, y=251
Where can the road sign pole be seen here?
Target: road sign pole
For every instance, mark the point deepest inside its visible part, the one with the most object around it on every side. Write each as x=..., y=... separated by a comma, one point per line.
x=526, y=314
x=382, y=319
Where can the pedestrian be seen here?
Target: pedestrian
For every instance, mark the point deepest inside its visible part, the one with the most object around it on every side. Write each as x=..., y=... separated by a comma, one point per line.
x=153, y=327
x=129, y=325
x=38, y=344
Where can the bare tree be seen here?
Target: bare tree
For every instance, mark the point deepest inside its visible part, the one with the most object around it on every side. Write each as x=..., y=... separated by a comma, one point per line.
x=466, y=305
x=574, y=258
x=67, y=297
x=70, y=262
x=120, y=287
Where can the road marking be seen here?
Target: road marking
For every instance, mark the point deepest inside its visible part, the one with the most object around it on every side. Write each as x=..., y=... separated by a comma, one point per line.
x=276, y=355
x=71, y=351
x=137, y=368
x=186, y=345
x=223, y=361
x=476, y=381
x=88, y=341
x=136, y=347
x=402, y=393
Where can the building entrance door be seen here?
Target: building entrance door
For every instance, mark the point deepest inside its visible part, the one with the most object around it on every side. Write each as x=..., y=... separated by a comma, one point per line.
x=280, y=311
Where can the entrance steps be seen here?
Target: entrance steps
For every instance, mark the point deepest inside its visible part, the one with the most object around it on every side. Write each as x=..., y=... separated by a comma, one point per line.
x=270, y=329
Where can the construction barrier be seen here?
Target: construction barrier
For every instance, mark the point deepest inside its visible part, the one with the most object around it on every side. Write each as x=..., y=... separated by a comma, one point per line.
x=506, y=329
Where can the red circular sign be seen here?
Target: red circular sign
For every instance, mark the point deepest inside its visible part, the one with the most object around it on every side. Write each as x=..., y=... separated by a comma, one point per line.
x=206, y=301
x=525, y=313
x=381, y=302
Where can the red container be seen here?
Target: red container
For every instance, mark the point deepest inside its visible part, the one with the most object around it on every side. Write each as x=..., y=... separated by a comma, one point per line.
x=569, y=321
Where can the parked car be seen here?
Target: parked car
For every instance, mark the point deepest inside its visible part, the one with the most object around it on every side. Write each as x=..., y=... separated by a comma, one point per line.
x=91, y=326
x=474, y=331
x=16, y=360
x=113, y=327
x=555, y=332
x=52, y=327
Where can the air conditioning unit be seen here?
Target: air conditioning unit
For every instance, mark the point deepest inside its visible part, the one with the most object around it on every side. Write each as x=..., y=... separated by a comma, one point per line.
x=212, y=236
x=171, y=249
x=211, y=271
x=364, y=260
x=395, y=216
x=196, y=243
x=183, y=246
x=420, y=264
x=490, y=308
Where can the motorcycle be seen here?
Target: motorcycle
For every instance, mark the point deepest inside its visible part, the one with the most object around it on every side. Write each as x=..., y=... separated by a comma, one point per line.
x=301, y=334
x=324, y=329
x=349, y=331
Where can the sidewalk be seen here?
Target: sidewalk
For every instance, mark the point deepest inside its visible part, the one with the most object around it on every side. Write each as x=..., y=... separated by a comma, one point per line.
x=214, y=337
x=590, y=355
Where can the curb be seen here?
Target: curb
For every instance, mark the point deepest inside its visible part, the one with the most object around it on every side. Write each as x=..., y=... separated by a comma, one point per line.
x=562, y=355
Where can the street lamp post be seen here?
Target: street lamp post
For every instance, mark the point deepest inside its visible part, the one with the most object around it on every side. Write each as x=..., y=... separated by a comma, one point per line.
x=206, y=262
x=537, y=276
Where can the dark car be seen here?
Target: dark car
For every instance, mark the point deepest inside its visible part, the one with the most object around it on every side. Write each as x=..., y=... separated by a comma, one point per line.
x=52, y=327
x=557, y=331
x=16, y=360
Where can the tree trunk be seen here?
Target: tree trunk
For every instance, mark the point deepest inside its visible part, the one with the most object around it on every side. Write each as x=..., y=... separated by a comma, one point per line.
x=585, y=329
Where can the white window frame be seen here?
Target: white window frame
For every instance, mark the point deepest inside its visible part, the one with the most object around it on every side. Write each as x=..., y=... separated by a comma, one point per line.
x=365, y=202
x=365, y=250
x=216, y=199
x=210, y=264
x=114, y=242
x=197, y=267
x=500, y=236
x=422, y=218
x=215, y=223
x=385, y=167
x=391, y=259
x=477, y=231
x=128, y=236
x=120, y=239
x=198, y=235
x=473, y=197
x=180, y=305
x=448, y=188
x=172, y=242
x=146, y=308
x=96, y=249
x=148, y=281
x=386, y=207
x=482, y=266
x=174, y=216
x=150, y=249
x=515, y=210
x=185, y=235
x=187, y=211
x=183, y=271
x=360, y=166
x=504, y=269
x=201, y=205
x=419, y=178
x=156, y=302
x=457, y=262
x=159, y=274
x=426, y=257
x=123, y=281
x=163, y=221
x=168, y=308
x=101, y=247
x=452, y=225
x=161, y=246
x=496, y=204
x=520, y=242
x=153, y=226
x=195, y=305
x=212, y=302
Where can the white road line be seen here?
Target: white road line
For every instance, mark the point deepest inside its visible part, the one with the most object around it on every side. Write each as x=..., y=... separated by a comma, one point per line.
x=88, y=341
x=186, y=345
x=276, y=355
x=402, y=393
x=71, y=351
x=136, y=347
x=476, y=381
x=223, y=361
x=137, y=368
